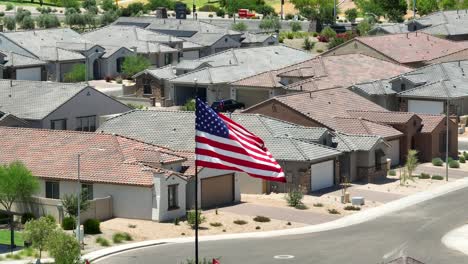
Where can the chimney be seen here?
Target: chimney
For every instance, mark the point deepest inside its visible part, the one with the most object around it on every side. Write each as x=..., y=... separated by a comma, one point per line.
x=134, y=49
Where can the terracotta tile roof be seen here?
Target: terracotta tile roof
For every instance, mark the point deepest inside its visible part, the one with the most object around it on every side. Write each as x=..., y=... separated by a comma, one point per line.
x=106, y=158
x=384, y=117
x=328, y=72
x=412, y=47
x=359, y=126
x=430, y=122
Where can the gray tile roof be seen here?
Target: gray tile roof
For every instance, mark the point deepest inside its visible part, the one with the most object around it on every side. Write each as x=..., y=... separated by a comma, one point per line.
x=379, y=87
x=166, y=72
x=17, y=60
x=235, y=64
x=205, y=39
x=454, y=89
x=389, y=29
x=256, y=38
x=348, y=142
x=175, y=130
x=49, y=44
x=33, y=99
x=145, y=41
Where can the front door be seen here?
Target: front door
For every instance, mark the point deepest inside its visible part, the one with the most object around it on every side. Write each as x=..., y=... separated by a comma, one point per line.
x=96, y=70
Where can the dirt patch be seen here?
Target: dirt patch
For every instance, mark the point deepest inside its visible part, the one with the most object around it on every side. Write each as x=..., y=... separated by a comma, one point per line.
x=299, y=42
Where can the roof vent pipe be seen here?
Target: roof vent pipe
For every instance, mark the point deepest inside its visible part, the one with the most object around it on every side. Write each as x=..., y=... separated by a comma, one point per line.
x=407, y=36
x=301, y=87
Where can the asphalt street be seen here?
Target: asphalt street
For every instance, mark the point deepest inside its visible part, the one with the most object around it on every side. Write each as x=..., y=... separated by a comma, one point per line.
x=415, y=231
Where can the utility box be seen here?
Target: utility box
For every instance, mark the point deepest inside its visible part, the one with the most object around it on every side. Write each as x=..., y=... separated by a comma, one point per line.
x=180, y=10
x=161, y=12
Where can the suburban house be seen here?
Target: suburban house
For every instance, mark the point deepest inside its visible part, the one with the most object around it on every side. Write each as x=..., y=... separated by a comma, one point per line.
x=159, y=49
x=389, y=28
x=19, y=67
x=314, y=74
x=52, y=105
x=7, y=119
x=117, y=172
x=208, y=38
x=305, y=154
x=414, y=49
x=255, y=40
x=210, y=77
x=424, y=90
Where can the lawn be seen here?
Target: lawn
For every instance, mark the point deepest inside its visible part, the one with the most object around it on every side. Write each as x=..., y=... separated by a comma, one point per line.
x=28, y=3
x=5, y=238
x=200, y=3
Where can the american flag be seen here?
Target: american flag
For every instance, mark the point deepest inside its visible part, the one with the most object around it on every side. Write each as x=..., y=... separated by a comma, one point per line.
x=223, y=144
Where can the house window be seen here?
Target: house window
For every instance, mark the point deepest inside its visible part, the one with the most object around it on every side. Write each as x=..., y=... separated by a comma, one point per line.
x=88, y=189
x=167, y=58
x=58, y=124
x=443, y=142
x=52, y=190
x=119, y=63
x=403, y=87
x=379, y=154
x=172, y=197
x=147, y=87
x=86, y=123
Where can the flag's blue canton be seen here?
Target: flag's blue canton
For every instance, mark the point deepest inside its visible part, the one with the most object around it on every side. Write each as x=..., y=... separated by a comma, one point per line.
x=208, y=121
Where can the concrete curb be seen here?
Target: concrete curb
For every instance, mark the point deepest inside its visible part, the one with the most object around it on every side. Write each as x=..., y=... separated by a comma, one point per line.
x=357, y=218
x=457, y=239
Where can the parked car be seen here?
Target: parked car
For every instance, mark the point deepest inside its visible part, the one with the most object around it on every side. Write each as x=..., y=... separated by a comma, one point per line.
x=227, y=105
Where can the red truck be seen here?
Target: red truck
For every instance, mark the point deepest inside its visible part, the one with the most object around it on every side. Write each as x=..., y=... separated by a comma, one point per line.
x=245, y=13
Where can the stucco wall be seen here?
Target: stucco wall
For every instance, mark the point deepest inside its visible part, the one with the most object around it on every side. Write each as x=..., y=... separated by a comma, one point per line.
x=160, y=210
x=83, y=104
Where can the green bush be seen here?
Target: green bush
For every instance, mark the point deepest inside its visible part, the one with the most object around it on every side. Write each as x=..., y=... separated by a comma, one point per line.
x=352, y=208
x=134, y=64
x=189, y=105
x=9, y=6
x=64, y=248
x=437, y=162
x=308, y=44
x=102, y=241
x=2, y=14
x=437, y=177
x=295, y=26
x=462, y=159
x=26, y=217
x=191, y=218
x=328, y=32
x=319, y=50
x=314, y=34
x=220, y=13
x=118, y=238
x=261, y=219
x=92, y=227
x=293, y=198
x=216, y=224
x=424, y=176
x=176, y=221
x=68, y=223
x=301, y=206
x=208, y=8
x=318, y=204
x=392, y=172
x=454, y=164
x=77, y=74
x=333, y=211
x=465, y=154
x=240, y=222
x=335, y=42
x=239, y=26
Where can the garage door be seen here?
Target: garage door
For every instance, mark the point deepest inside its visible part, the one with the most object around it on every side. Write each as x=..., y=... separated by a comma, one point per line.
x=322, y=175
x=217, y=191
x=251, y=97
x=30, y=74
x=395, y=151
x=426, y=107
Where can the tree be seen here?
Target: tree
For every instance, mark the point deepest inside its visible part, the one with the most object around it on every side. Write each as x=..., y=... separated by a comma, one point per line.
x=270, y=23
x=153, y=4
x=364, y=27
x=134, y=64
x=394, y=10
x=38, y=232
x=425, y=7
x=90, y=19
x=109, y=5
x=411, y=161
x=9, y=22
x=295, y=26
x=239, y=26
x=108, y=17
x=71, y=4
x=48, y=21
x=64, y=248
x=265, y=10
x=448, y=4
x=27, y=23
x=464, y=4
x=70, y=203
x=134, y=9
x=351, y=14
x=87, y=4
x=321, y=10
x=21, y=14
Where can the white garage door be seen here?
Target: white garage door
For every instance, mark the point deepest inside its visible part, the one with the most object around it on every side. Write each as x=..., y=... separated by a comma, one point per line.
x=30, y=74
x=426, y=107
x=395, y=151
x=322, y=175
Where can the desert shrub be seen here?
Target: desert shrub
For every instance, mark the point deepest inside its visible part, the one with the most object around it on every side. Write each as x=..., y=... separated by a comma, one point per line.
x=210, y=15
x=301, y=206
x=51, y=218
x=318, y=204
x=220, y=13
x=437, y=162
x=454, y=164
x=216, y=224
x=333, y=211
x=191, y=218
x=239, y=26
x=176, y=221
x=462, y=159
x=424, y=176
x=2, y=14
x=328, y=33
x=261, y=219
x=208, y=8
x=319, y=50
x=437, y=177
x=293, y=198
x=308, y=44
x=290, y=35
x=131, y=226
x=314, y=34
x=257, y=227
x=102, y=241
x=240, y=222
x=281, y=39
x=295, y=26
x=118, y=238
x=465, y=154
x=392, y=172
x=352, y=208
x=9, y=6
x=26, y=217
x=92, y=226
x=68, y=223
x=118, y=80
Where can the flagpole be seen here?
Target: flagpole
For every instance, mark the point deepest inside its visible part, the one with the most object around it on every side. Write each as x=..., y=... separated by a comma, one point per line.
x=196, y=204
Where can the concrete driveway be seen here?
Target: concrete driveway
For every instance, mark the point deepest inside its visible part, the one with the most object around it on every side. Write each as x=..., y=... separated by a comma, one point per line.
x=285, y=214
